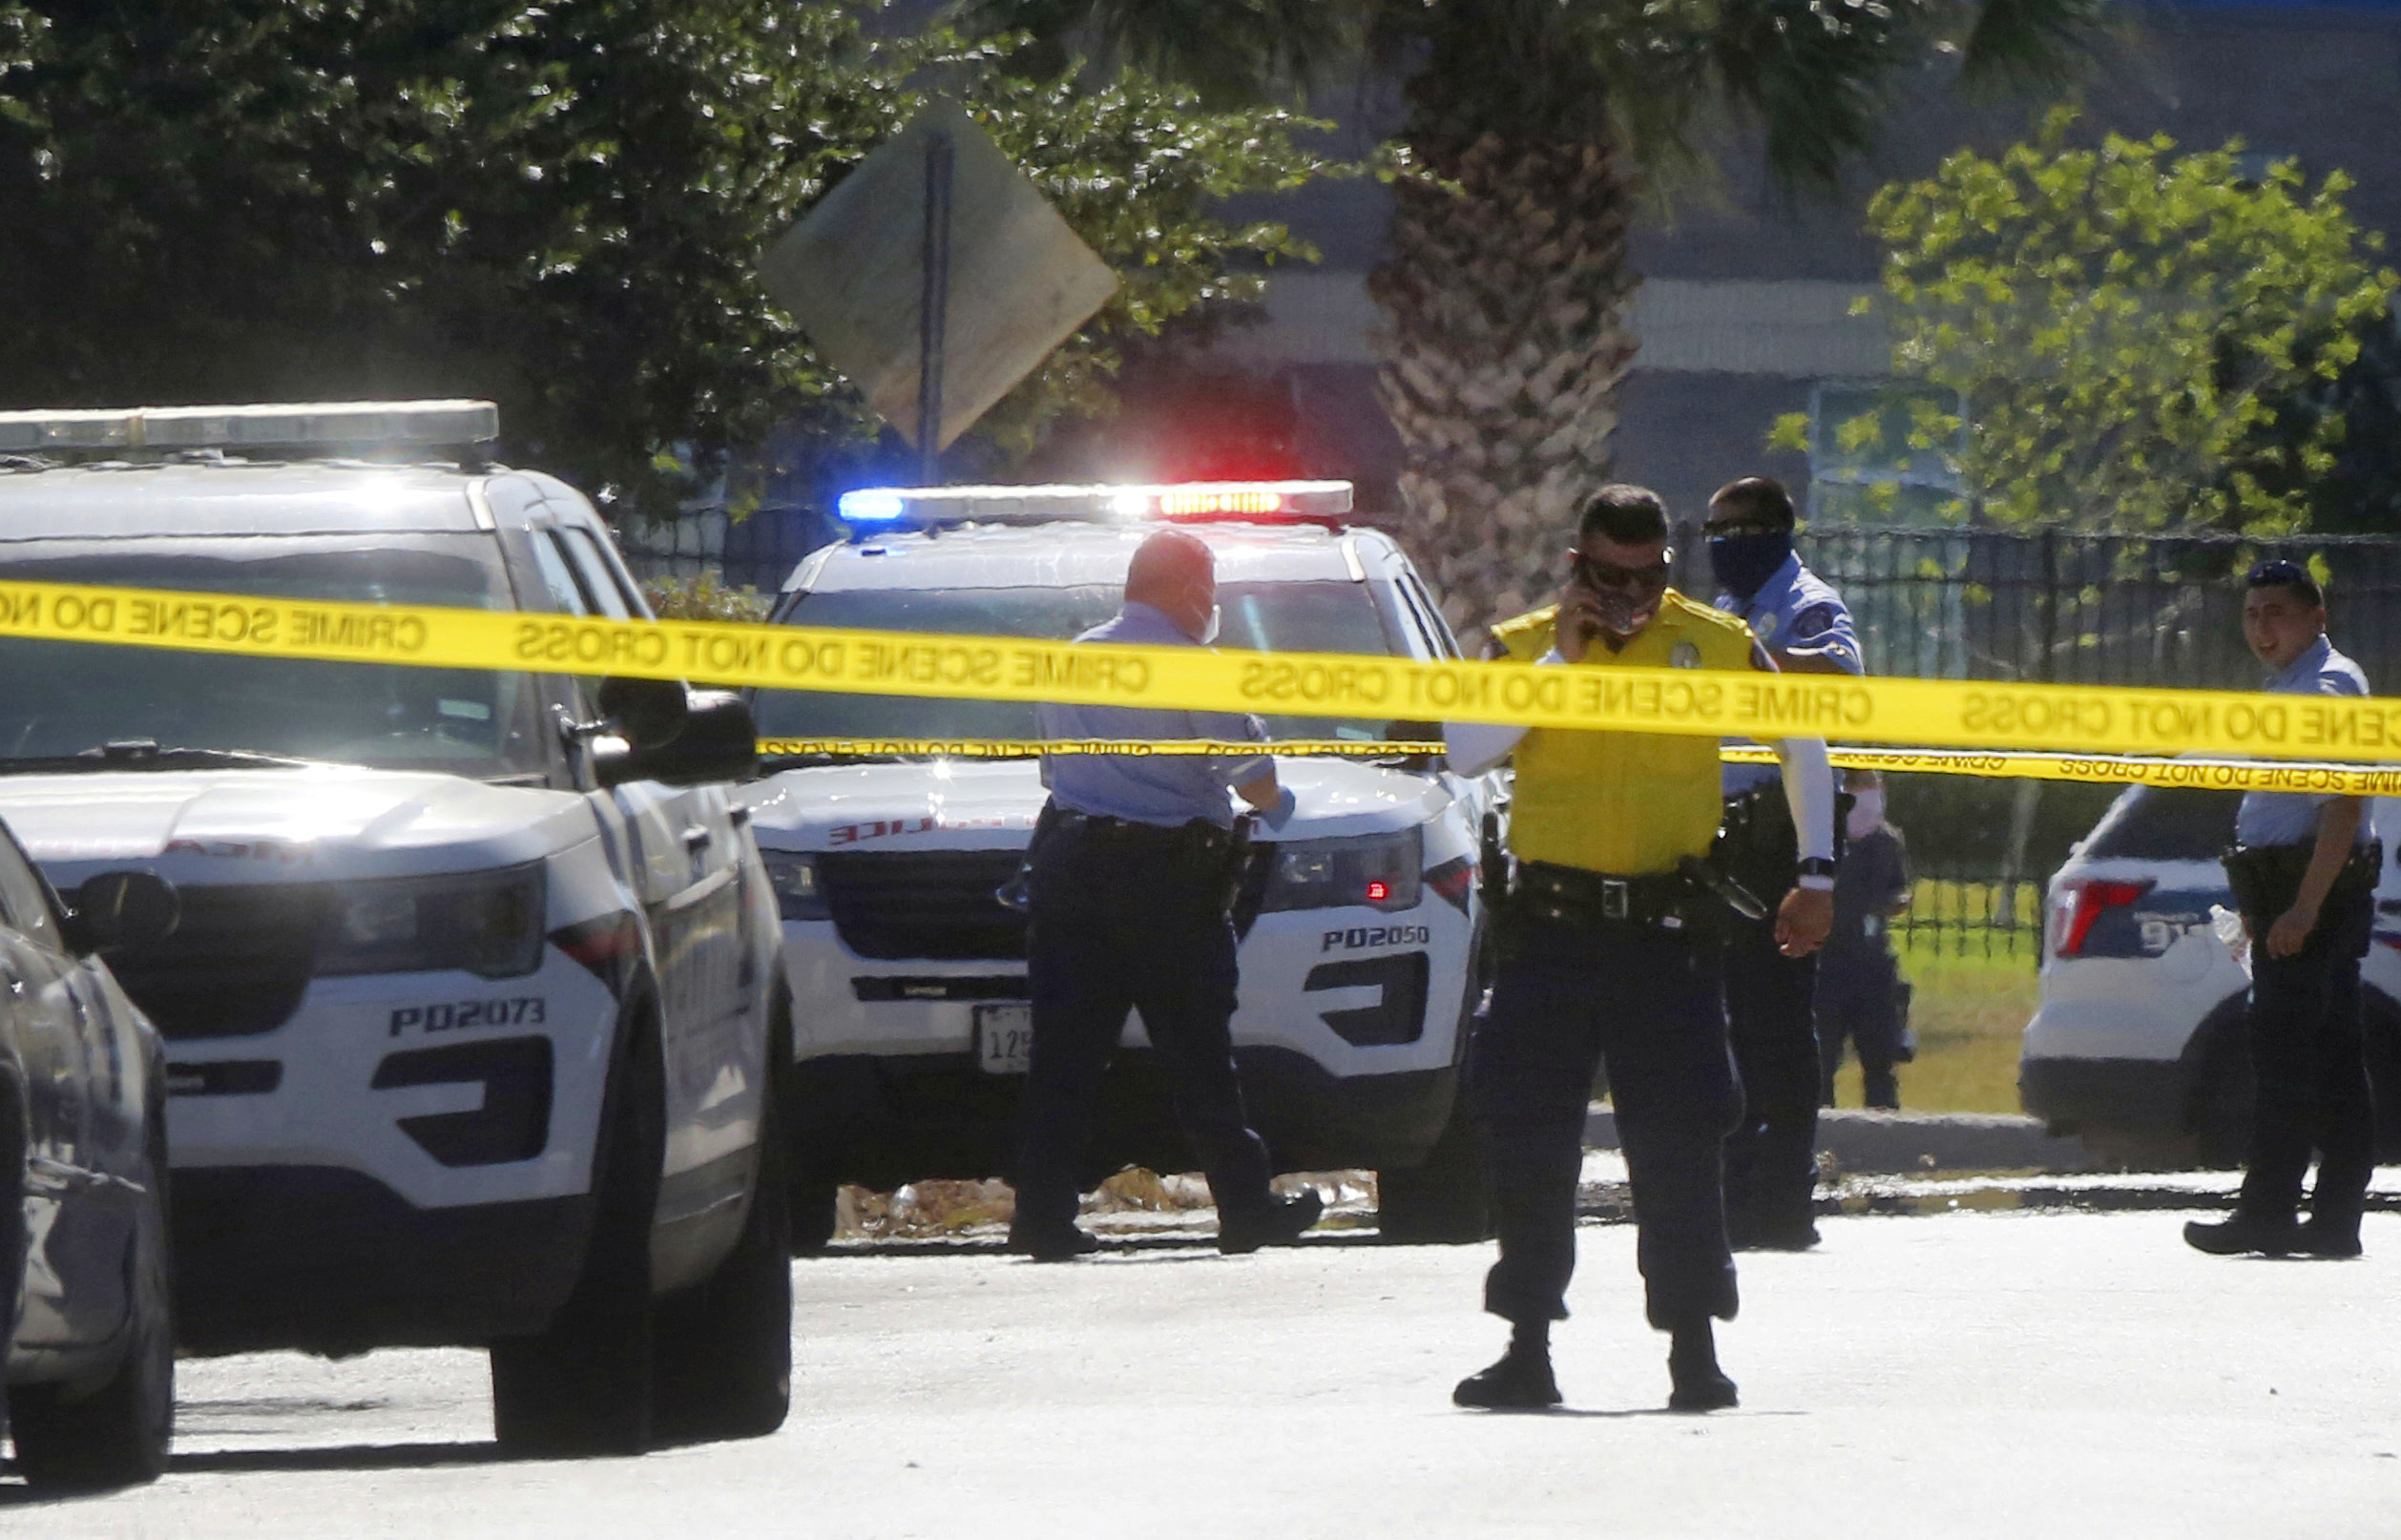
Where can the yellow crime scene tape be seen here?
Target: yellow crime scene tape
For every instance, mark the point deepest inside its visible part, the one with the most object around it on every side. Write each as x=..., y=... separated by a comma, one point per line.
x=2204, y=774
x=2207, y=774
x=1027, y=748
x=2073, y=724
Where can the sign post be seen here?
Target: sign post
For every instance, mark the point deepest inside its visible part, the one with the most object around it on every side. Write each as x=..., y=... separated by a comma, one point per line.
x=935, y=310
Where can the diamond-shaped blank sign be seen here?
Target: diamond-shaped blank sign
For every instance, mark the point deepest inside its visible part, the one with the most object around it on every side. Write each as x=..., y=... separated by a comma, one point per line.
x=853, y=275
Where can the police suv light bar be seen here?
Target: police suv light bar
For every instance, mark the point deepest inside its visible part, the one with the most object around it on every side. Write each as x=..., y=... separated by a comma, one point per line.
x=1265, y=501
x=363, y=425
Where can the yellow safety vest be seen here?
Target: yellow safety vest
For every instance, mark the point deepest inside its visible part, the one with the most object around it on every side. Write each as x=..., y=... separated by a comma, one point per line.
x=1627, y=803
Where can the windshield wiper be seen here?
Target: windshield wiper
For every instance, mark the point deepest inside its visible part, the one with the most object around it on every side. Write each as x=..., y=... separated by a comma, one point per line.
x=146, y=754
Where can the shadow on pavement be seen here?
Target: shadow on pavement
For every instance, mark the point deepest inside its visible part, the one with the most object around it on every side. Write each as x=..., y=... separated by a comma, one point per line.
x=337, y=1457
x=344, y=1457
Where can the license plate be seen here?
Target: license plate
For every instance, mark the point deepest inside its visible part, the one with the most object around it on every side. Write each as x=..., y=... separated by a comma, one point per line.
x=1004, y=1038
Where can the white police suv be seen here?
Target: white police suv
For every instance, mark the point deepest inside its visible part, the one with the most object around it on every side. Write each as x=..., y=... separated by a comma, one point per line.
x=469, y=1011
x=2136, y=1044
x=1361, y=919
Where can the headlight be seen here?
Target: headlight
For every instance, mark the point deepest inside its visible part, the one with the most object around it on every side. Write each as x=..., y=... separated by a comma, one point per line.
x=798, y=894
x=489, y=925
x=1376, y=871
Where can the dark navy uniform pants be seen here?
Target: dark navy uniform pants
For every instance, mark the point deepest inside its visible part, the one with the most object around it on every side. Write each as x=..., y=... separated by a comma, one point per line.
x=1857, y=998
x=2310, y=1065
x=1771, y=1157
x=1130, y=922
x=1647, y=1001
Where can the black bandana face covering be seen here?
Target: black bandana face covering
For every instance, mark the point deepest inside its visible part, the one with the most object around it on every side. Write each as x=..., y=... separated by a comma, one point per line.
x=1742, y=563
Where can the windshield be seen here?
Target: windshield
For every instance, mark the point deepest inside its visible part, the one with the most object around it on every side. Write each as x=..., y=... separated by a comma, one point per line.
x=64, y=698
x=1263, y=617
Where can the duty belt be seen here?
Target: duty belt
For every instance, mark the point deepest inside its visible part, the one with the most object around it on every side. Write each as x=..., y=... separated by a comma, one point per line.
x=2265, y=879
x=1200, y=836
x=1571, y=895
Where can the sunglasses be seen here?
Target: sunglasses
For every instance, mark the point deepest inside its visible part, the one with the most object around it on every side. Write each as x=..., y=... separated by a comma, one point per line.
x=1609, y=574
x=1716, y=530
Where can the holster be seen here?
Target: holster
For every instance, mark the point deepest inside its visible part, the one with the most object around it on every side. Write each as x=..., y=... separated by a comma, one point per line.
x=2266, y=878
x=1756, y=845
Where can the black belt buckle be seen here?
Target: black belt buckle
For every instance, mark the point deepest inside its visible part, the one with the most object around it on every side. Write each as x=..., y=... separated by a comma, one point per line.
x=1616, y=898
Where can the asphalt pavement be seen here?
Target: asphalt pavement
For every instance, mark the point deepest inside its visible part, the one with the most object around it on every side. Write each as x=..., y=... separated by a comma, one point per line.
x=1959, y=1373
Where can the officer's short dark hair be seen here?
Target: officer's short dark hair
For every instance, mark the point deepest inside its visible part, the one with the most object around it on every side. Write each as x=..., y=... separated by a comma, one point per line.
x=2278, y=572
x=1629, y=515
x=1756, y=497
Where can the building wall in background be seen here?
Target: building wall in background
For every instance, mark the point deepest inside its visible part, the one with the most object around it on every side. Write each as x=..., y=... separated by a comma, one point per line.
x=1747, y=296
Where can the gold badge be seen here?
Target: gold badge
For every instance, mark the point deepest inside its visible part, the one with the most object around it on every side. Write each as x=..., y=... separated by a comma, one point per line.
x=1685, y=655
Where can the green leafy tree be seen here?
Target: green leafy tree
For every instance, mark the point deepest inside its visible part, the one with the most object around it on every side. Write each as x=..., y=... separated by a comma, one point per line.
x=2141, y=339
x=558, y=205
x=1535, y=127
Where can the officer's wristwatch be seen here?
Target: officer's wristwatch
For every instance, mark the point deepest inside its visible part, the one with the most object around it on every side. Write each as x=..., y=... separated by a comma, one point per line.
x=1816, y=871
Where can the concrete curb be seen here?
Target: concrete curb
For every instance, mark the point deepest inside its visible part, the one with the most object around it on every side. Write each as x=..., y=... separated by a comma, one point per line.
x=1888, y=1143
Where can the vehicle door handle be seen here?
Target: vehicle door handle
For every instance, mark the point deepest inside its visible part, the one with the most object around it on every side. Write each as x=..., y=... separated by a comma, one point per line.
x=697, y=837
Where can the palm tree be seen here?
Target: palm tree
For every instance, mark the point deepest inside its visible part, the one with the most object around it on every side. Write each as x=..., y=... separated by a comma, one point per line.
x=1534, y=129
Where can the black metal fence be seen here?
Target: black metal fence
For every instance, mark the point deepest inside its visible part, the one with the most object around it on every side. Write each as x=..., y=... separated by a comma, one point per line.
x=758, y=551
x=2051, y=606
x=2094, y=609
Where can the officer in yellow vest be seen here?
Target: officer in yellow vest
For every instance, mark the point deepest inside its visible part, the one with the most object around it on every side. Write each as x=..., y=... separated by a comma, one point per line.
x=1609, y=950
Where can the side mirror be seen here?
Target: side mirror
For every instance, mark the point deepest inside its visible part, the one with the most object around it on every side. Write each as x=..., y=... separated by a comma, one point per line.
x=649, y=713
x=719, y=742
x=118, y=909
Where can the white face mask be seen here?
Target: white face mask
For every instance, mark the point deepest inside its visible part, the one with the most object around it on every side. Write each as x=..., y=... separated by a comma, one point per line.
x=1867, y=813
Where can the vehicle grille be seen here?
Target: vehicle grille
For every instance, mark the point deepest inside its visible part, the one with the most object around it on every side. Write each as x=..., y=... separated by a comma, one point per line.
x=236, y=965
x=923, y=903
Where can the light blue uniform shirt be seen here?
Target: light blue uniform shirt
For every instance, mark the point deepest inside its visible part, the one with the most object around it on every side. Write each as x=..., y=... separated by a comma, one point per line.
x=1796, y=612
x=2291, y=817
x=1168, y=790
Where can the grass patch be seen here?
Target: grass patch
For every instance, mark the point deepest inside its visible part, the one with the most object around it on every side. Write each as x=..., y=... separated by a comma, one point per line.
x=1968, y=1014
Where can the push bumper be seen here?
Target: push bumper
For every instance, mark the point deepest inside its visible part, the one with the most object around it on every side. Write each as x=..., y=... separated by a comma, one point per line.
x=331, y=1261
x=882, y=1121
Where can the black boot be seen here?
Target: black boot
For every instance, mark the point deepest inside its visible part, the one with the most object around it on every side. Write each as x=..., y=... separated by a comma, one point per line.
x=2243, y=1234
x=1695, y=1383
x=1521, y=1381
x=2328, y=1235
x=1051, y=1242
x=1276, y=1223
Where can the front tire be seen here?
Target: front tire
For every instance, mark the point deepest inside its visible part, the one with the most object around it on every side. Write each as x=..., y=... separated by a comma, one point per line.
x=584, y=1387
x=114, y=1434
x=722, y=1353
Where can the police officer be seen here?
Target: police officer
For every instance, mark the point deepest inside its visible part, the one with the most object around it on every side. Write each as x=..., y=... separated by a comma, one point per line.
x=1859, y=987
x=1132, y=883
x=1771, y=1157
x=1607, y=951
x=2304, y=874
